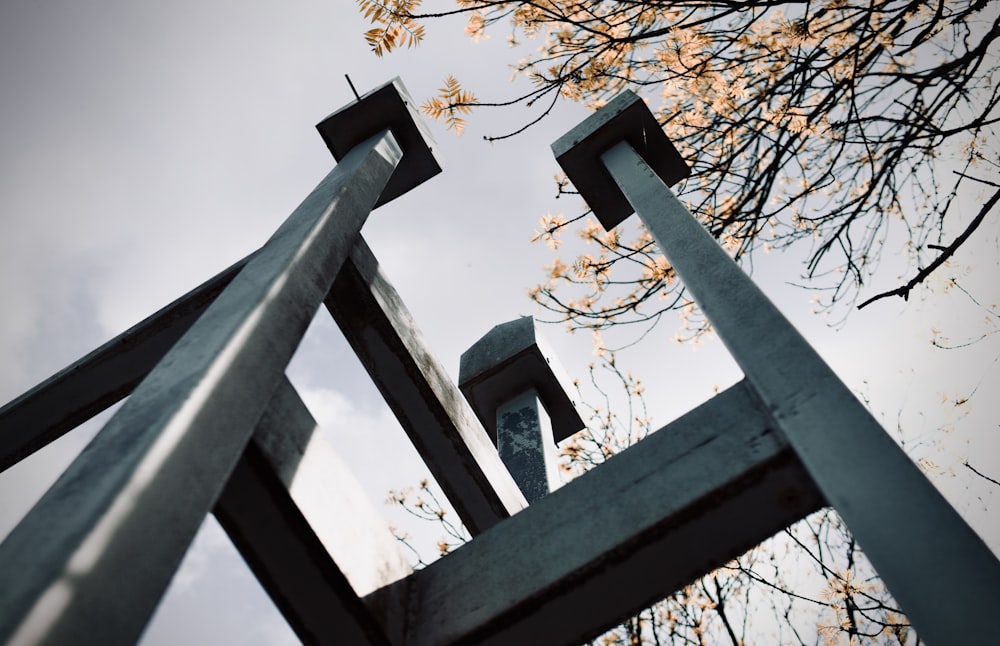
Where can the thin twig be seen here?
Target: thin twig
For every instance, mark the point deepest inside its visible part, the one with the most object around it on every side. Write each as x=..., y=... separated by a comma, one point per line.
x=904, y=290
x=980, y=473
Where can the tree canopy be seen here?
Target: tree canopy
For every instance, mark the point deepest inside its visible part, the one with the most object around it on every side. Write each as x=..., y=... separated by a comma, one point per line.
x=842, y=125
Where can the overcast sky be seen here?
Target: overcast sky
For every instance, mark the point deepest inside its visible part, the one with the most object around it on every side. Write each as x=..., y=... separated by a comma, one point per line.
x=146, y=146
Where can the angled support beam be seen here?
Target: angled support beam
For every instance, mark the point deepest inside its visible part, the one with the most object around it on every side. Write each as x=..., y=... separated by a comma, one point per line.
x=433, y=412
x=112, y=371
x=169, y=450
x=109, y=373
x=103, y=377
x=944, y=577
x=305, y=526
x=686, y=499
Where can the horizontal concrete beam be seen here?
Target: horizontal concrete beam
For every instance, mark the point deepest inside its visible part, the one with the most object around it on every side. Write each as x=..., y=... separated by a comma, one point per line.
x=435, y=415
x=685, y=500
x=306, y=528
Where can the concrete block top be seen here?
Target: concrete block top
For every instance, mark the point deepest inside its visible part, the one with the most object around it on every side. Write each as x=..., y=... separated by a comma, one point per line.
x=387, y=106
x=508, y=360
x=624, y=118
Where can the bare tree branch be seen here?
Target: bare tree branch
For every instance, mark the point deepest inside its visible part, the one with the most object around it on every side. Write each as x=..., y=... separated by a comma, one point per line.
x=946, y=253
x=980, y=473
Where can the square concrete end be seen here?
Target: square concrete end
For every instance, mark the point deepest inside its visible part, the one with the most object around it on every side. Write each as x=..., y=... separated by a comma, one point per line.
x=624, y=118
x=509, y=359
x=387, y=106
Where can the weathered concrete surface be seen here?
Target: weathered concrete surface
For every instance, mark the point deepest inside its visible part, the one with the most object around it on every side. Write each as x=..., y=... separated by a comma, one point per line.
x=506, y=361
x=624, y=118
x=684, y=500
x=524, y=441
x=95, y=554
x=109, y=373
x=305, y=526
x=432, y=411
x=942, y=574
x=387, y=105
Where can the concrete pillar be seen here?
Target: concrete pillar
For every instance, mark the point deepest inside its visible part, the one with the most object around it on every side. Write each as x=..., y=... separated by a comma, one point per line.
x=442, y=426
x=522, y=396
x=943, y=575
x=525, y=444
x=90, y=561
x=284, y=508
x=687, y=499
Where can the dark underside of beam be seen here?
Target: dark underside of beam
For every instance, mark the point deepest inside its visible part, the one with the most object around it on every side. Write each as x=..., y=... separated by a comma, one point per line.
x=682, y=502
x=433, y=412
x=308, y=588
x=305, y=527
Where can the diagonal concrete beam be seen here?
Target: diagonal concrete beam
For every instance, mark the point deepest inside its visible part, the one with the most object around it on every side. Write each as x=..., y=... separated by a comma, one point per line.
x=103, y=377
x=376, y=321
x=435, y=415
x=686, y=499
x=141, y=489
x=283, y=438
x=108, y=374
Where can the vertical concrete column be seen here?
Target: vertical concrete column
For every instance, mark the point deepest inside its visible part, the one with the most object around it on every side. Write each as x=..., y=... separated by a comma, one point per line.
x=521, y=394
x=526, y=445
x=940, y=571
x=91, y=560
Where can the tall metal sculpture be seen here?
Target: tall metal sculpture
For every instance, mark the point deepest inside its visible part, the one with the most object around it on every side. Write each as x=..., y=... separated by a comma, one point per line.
x=212, y=425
